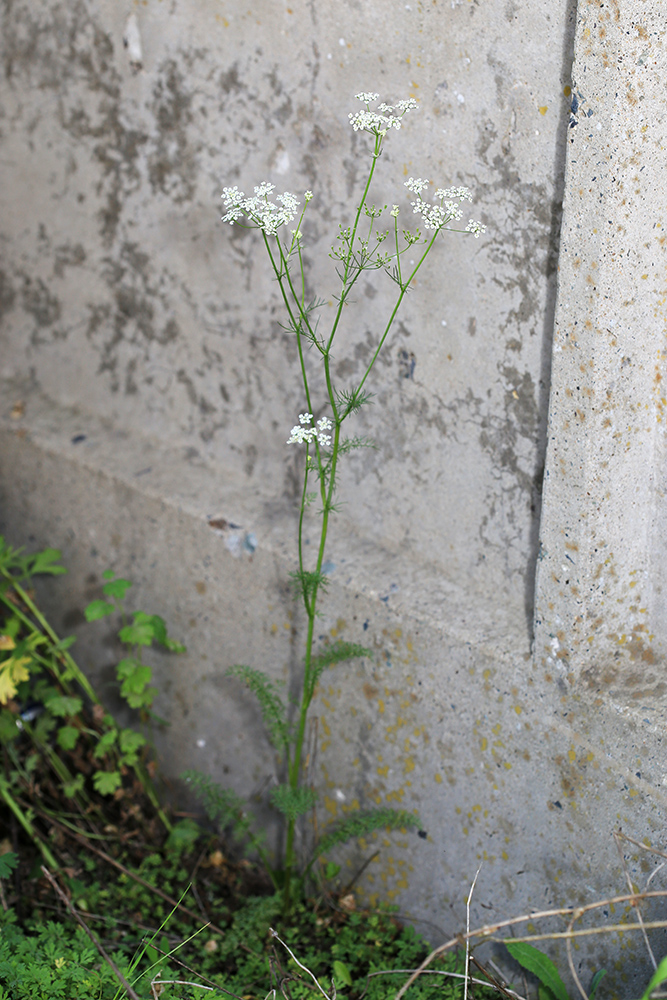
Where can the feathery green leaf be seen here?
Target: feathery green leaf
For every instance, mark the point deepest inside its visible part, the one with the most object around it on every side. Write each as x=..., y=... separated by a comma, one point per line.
x=270, y=703
x=359, y=824
x=293, y=802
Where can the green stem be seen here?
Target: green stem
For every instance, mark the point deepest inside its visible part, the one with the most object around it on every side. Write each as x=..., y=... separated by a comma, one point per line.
x=392, y=317
x=59, y=767
x=27, y=825
x=376, y=153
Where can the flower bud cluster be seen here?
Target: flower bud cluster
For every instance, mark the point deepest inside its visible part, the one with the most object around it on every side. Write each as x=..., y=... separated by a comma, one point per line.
x=303, y=432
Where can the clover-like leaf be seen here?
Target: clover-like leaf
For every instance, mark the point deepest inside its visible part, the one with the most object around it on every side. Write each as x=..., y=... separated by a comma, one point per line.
x=105, y=743
x=107, y=782
x=130, y=742
x=98, y=609
x=71, y=788
x=116, y=588
x=64, y=706
x=67, y=737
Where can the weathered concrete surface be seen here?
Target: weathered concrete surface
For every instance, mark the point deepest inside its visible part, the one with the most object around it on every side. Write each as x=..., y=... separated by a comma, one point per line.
x=602, y=622
x=142, y=339
x=126, y=296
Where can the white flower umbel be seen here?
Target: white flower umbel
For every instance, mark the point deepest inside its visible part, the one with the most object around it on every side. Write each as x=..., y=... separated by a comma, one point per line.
x=324, y=424
x=438, y=216
x=379, y=122
x=475, y=228
x=301, y=433
x=265, y=214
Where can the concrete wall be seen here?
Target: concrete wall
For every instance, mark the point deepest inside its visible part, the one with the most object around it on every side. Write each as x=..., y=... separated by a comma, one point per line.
x=148, y=387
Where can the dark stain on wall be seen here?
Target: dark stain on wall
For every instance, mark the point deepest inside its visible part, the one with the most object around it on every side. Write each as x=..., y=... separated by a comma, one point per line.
x=172, y=162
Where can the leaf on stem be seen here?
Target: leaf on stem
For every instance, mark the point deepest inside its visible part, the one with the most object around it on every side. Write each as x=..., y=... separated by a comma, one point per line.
x=72, y=788
x=130, y=743
x=351, y=400
x=46, y=562
x=8, y=862
x=224, y=807
x=359, y=824
x=105, y=744
x=135, y=677
x=270, y=703
x=64, y=706
x=106, y=782
x=116, y=588
x=67, y=737
x=339, y=652
x=309, y=581
x=351, y=444
x=293, y=802
x=98, y=609
x=12, y=673
x=147, y=629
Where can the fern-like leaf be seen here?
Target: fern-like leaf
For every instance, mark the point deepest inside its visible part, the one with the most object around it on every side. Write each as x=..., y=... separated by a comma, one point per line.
x=351, y=444
x=351, y=400
x=223, y=807
x=270, y=703
x=307, y=582
x=293, y=802
x=339, y=652
x=359, y=824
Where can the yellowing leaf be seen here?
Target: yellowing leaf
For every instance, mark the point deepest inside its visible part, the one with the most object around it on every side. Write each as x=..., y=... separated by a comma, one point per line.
x=7, y=687
x=6, y=642
x=12, y=672
x=19, y=669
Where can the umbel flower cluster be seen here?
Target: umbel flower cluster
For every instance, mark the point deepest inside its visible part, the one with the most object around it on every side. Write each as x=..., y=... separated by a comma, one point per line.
x=440, y=215
x=264, y=213
x=379, y=122
x=302, y=432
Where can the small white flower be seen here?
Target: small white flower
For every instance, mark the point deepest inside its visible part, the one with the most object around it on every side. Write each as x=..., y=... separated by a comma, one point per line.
x=324, y=424
x=299, y=435
x=456, y=193
x=308, y=195
x=416, y=185
x=475, y=228
x=305, y=418
x=367, y=98
x=394, y=211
